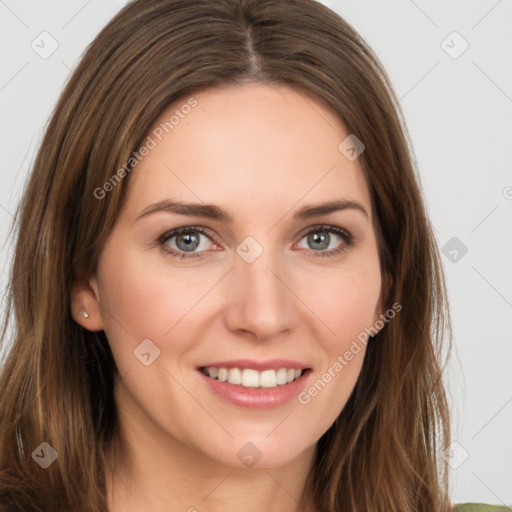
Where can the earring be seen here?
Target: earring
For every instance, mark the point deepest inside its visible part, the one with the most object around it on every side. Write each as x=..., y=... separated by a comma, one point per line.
x=84, y=314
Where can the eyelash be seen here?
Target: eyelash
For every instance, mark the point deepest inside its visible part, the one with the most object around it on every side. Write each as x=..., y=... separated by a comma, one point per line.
x=345, y=235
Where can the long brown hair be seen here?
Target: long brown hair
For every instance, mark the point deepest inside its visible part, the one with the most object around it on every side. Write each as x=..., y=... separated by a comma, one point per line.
x=56, y=384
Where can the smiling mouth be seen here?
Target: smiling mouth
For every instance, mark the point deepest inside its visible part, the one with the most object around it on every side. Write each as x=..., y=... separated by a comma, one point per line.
x=250, y=378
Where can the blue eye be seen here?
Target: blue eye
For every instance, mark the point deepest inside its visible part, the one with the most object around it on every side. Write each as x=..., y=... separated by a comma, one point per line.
x=191, y=241
x=320, y=238
x=186, y=240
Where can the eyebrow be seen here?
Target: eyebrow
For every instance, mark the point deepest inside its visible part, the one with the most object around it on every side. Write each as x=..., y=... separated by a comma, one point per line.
x=210, y=211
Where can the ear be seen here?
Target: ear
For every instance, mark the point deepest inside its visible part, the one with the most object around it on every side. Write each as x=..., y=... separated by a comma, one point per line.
x=85, y=304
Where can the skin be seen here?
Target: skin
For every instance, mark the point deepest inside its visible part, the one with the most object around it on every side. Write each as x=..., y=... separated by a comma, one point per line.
x=260, y=152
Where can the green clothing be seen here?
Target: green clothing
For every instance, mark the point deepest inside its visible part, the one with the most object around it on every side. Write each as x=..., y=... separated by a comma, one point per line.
x=480, y=507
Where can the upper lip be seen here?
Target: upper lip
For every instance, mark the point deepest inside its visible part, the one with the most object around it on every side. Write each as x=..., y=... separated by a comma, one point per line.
x=271, y=364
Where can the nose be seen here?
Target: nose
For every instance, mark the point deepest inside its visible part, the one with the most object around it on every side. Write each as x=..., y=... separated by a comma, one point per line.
x=260, y=301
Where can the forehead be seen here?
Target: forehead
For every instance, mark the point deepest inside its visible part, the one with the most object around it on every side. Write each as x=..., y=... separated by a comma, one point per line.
x=251, y=148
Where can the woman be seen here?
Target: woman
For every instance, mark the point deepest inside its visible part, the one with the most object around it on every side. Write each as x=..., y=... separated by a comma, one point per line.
x=226, y=291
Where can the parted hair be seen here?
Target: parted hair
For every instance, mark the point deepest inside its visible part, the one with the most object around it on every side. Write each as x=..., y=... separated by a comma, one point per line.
x=382, y=454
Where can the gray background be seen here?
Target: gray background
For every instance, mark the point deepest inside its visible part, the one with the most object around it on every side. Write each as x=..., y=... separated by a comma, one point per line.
x=459, y=114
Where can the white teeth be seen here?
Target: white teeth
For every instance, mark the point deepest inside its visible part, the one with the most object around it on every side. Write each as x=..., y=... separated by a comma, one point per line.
x=234, y=376
x=268, y=379
x=250, y=378
x=281, y=376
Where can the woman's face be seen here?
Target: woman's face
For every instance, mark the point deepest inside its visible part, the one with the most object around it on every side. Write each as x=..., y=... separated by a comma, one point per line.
x=254, y=282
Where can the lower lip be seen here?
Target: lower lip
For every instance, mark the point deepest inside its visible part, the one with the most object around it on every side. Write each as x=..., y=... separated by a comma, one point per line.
x=257, y=398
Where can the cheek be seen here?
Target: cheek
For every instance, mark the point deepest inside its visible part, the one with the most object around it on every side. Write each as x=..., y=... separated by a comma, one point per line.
x=143, y=298
x=346, y=299
x=349, y=307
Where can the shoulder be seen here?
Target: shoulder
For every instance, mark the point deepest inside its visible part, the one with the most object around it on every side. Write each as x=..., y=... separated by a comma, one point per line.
x=480, y=507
